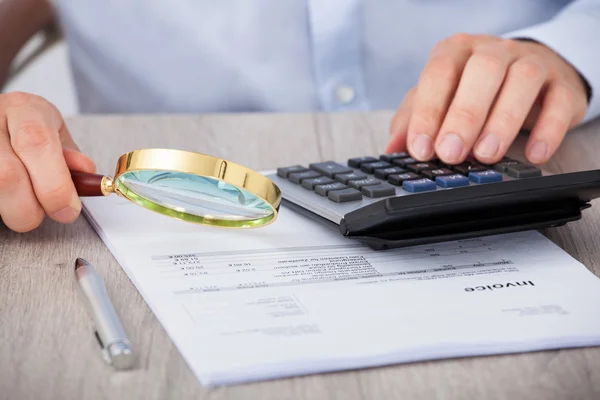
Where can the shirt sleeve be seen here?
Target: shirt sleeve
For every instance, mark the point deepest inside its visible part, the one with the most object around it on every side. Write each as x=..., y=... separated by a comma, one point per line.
x=574, y=33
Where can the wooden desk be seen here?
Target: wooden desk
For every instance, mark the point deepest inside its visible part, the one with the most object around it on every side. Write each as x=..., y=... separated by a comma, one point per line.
x=47, y=350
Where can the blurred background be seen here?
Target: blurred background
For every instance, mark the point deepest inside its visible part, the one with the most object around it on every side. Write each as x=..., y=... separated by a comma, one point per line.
x=48, y=75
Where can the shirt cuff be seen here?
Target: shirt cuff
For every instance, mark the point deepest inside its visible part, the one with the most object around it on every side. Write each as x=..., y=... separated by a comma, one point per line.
x=574, y=37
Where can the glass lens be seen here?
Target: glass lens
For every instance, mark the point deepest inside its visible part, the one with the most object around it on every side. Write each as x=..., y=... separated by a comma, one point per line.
x=191, y=195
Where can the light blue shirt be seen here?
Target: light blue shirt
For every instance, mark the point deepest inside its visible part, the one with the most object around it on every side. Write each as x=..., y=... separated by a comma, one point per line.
x=150, y=56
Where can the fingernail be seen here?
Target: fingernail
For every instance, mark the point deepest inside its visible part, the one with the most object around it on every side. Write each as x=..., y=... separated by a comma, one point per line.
x=66, y=215
x=451, y=148
x=422, y=146
x=488, y=146
x=70, y=146
x=538, y=151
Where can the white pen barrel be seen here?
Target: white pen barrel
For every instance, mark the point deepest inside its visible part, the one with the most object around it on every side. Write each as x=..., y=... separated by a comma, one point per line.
x=110, y=331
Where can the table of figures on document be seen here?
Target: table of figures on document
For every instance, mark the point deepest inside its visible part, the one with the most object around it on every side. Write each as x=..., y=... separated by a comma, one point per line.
x=239, y=270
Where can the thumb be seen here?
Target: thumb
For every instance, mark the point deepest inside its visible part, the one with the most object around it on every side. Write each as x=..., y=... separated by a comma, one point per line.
x=78, y=162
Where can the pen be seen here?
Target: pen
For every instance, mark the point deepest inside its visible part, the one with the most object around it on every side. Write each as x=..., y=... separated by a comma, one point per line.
x=115, y=346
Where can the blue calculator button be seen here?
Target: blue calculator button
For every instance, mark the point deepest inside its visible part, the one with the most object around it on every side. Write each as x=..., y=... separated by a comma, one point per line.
x=419, y=185
x=486, y=176
x=450, y=181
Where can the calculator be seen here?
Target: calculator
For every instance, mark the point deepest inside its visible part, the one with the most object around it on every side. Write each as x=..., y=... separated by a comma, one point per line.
x=392, y=200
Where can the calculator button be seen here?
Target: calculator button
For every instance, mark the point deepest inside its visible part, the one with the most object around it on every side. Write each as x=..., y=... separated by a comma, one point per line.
x=372, y=166
x=419, y=167
x=383, y=173
x=298, y=177
x=358, y=161
x=363, y=182
x=450, y=181
x=311, y=183
x=341, y=196
x=393, y=156
x=398, y=179
x=419, y=185
x=323, y=190
x=487, y=176
x=433, y=173
x=329, y=168
x=382, y=190
x=403, y=162
x=503, y=165
x=345, y=178
x=523, y=171
x=284, y=172
x=468, y=167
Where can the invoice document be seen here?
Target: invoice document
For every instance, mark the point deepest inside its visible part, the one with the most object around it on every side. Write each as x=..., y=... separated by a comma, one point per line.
x=296, y=298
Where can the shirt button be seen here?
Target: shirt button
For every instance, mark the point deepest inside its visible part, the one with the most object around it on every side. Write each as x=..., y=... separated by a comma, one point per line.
x=345, y=94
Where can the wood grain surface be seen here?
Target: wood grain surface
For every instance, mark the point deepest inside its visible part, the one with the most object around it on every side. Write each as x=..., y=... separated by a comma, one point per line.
x=47, y=350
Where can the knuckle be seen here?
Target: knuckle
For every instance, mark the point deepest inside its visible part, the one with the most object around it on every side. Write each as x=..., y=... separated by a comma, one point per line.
x=11, y=173
x=31, y=136
x=490, y=62
x=509, y=45
x=29, y=103
x=444, y=66
x=466, y=115
x=508, y=120
x=460, y=39
x=426, y=118
x=529, y=68
x=56, y=198
x=17, y=97
x=564, y=94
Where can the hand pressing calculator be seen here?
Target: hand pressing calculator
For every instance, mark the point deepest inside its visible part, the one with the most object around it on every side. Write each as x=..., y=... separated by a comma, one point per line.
x=395, y=201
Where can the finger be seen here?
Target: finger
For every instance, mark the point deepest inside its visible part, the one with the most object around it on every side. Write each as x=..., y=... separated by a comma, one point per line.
x=534, y=113
x=555, y=119
x=481, y=79
x=19, y=207
x=399, y=125
x=33, y=129
x=76, y=161
x=435, y=89
x=524, y=80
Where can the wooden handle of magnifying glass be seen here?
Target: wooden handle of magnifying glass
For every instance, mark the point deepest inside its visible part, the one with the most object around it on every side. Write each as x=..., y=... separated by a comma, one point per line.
x=87, y=185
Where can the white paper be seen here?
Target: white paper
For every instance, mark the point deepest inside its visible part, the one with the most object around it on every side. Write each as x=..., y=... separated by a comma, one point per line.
x=295, y=298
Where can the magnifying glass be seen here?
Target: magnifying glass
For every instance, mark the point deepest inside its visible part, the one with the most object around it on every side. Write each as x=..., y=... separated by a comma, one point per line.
x=189, y=186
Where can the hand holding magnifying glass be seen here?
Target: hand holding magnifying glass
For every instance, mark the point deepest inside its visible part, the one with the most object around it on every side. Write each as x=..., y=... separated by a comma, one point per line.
x=192, y=187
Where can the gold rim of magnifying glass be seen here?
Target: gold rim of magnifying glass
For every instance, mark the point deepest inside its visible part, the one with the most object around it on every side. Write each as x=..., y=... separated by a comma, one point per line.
x=201, y=165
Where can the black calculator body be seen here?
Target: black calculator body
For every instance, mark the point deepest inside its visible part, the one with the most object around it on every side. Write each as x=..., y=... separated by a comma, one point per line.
x=394, y=201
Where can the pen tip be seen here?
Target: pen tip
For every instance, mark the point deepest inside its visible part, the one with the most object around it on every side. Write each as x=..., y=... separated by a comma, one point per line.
x=80, y=262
